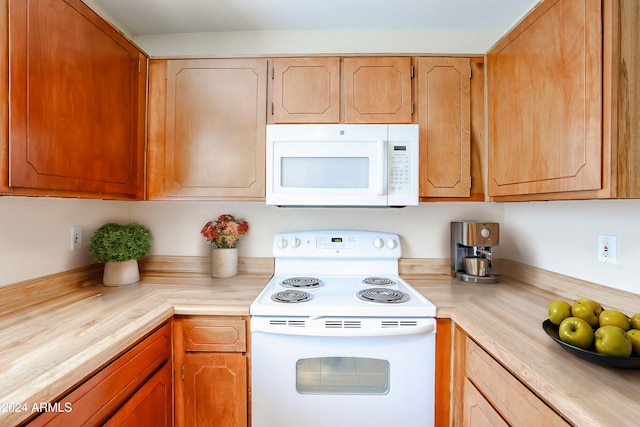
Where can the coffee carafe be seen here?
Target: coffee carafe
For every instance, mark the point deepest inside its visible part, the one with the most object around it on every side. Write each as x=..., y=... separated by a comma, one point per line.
x=472, y=244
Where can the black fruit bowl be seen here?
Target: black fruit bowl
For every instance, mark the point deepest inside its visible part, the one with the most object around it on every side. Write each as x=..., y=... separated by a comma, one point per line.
x=632, y=362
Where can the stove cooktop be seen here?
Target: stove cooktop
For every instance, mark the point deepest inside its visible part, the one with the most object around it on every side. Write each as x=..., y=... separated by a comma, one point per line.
x=338, y=273
x=340, y=296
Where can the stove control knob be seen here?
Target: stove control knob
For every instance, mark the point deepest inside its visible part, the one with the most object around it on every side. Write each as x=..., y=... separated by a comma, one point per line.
x=378, y=243
x=281, y=243
x=392, y=243
x=294, y=243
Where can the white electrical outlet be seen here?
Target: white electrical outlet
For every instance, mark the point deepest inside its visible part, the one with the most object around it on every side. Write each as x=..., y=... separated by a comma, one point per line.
x=607, y=249
x=76, y=238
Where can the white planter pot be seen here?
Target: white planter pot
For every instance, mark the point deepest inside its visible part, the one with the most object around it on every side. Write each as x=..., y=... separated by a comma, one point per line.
x=224, y=262
x=121, y=273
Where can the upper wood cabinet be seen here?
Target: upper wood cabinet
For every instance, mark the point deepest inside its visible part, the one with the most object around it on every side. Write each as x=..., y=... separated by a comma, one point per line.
x=341, y=90
x=76, y=104
x=444, y=113
x=305, y=90
x=207, y=122
x=377, y=90
x=560, y=96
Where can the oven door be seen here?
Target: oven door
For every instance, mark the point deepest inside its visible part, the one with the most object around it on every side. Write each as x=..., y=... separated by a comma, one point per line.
x=374, y=380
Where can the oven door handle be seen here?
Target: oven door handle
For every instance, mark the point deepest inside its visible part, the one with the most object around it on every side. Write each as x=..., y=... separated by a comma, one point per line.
x=347, y=330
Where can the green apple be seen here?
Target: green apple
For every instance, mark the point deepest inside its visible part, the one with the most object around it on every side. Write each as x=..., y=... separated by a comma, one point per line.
x=588, y=310
x=634, y=322
x=614, y=318
x=613, y=340
x=576, y=331
x=634, y=336
x=558, y=311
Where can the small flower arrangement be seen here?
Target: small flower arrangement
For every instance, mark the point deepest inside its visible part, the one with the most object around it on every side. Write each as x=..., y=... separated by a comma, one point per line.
x=225, y=231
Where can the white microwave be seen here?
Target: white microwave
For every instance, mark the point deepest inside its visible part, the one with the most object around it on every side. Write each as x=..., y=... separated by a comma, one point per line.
x=342, y=165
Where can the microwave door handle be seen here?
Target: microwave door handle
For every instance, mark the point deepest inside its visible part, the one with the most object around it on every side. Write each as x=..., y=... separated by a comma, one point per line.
x=381, y=168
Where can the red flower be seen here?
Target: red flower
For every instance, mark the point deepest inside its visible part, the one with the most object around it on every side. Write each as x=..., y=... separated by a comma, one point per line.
x=225, y=232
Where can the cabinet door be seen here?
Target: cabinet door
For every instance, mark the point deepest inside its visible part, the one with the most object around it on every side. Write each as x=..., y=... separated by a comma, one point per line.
x=100, y=396
x=444, y=115
x=377, y=90
x=306, y=90
x=77, y=103
x=215, y=389
x=150, y=405
x=477, y=411
x=213, y=141
x=544, y=93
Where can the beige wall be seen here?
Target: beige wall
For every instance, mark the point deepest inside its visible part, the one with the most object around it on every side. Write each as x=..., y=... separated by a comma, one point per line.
x=562, y=237
x=35, y=235
x=556, y=236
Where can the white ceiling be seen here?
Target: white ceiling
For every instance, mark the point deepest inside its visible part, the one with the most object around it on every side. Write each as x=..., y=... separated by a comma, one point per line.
x=148, y=17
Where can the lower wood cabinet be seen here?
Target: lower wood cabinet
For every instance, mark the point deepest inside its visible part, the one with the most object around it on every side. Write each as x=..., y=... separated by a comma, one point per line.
x=150, y=405
x=487, y=394
x=211, y=375
x=132, y=390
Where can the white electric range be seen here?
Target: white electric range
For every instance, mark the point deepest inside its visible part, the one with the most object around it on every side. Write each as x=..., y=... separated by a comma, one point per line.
x=337, y=331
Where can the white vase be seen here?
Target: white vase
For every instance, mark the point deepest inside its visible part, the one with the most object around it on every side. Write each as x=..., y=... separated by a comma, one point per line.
x=224, y=262
x=121, y=273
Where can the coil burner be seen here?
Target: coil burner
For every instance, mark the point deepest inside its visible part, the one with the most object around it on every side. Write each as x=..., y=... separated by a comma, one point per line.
x=378, y=281
x=382, y=295
x=291, y=296
x=302, y=282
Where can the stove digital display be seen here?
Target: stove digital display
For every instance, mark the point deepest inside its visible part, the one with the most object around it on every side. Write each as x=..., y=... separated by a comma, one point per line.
x=343, y=242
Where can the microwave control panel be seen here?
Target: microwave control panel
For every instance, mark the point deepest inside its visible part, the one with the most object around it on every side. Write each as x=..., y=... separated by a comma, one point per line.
x=402, y=165
x=399, y=169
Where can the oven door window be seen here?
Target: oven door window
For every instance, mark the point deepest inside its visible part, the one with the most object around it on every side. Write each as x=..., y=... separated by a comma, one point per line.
x=342, y=375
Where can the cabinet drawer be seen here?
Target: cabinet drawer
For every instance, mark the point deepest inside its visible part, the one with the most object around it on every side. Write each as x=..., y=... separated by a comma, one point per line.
x=514, y=401
x=213, y=334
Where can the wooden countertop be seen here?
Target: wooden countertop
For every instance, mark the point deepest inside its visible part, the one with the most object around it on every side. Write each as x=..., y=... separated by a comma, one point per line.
x=506, y=319
x=50, y=345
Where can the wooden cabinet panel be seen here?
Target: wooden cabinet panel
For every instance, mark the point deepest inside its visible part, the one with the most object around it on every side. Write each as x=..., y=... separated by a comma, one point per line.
x=211, y=377
x=150, y=405
x=477, y=411
x=98, y=398
x=510, y=398
x=444, y=115
x=443, y=377
x=214, y=116
x=215, y=389
x=544, y=93
x=306, y=90
x=214, y=334
x=77, y=103
x=377, y=90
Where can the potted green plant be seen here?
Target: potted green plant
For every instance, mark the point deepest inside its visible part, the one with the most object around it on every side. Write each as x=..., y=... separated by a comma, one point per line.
x=120, y=247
